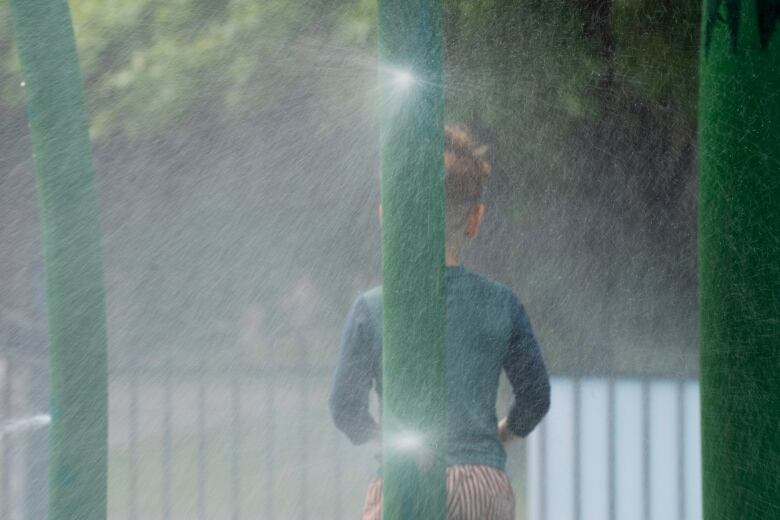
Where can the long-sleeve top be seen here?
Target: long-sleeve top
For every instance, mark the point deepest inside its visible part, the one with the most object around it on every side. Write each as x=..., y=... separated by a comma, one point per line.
x=487, y=331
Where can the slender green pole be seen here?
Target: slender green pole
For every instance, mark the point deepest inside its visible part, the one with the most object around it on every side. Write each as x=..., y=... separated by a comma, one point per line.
x=71, y=232
x=739, y=240
x=412, y=157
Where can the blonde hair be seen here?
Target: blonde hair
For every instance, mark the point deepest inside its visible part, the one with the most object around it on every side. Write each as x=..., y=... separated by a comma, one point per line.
x=466, y=170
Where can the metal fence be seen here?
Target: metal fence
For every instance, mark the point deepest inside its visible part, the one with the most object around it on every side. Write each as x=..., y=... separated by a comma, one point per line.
x=203, y=442
x=230, y=442
x=248, y=441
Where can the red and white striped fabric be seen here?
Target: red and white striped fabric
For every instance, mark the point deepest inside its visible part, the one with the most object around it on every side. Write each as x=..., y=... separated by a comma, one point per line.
x=474, y=492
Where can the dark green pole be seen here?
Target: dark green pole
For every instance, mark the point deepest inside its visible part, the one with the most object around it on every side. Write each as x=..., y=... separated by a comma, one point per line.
x=739, y=240
x=412, y=157
x=71, y=233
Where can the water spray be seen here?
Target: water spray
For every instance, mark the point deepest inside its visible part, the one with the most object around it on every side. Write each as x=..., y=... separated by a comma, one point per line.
x=407, y=442
x=30, y=423
x=412, y=445
x=403, y=79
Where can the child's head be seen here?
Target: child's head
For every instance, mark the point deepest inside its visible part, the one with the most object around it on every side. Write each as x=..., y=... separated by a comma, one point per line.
x=466, y=169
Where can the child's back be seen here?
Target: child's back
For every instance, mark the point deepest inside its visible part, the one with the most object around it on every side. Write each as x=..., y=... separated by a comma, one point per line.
x=487, y=331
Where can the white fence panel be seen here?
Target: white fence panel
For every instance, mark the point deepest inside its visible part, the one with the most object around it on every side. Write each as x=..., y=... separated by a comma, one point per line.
x=617, y=449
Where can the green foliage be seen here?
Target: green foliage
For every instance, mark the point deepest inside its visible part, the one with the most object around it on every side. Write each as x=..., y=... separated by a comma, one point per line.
x=656, y=52
x=359, y=22
x=10, y=93
x=152, y=65
x=522, y=49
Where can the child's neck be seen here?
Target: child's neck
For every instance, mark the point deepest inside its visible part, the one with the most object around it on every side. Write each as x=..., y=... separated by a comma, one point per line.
x=451, y=257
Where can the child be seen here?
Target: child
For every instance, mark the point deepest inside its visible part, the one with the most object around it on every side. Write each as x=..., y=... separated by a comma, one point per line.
x=487, y=330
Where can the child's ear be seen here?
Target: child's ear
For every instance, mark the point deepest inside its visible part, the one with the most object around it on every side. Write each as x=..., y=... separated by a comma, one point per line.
x=474, y=220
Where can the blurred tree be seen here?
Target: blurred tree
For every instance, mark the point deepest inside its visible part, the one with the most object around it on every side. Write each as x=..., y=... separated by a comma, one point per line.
x=150, y=65
x=590, y=105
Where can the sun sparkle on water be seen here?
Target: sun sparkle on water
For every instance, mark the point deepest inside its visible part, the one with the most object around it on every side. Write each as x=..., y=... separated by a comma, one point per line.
x=403, y=78
x=408, y=441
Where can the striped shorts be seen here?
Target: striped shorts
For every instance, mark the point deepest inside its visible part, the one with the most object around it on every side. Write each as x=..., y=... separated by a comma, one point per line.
x=474, y=492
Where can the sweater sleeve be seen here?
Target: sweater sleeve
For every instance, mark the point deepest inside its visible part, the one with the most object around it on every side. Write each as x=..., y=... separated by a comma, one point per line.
x=524, y=367
x=354, y=374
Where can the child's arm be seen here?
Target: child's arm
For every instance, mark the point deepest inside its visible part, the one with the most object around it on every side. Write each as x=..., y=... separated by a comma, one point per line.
x=527, y=374
x=354, y=374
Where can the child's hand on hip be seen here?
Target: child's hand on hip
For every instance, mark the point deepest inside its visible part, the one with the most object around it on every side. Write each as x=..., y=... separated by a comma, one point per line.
x=505, y=435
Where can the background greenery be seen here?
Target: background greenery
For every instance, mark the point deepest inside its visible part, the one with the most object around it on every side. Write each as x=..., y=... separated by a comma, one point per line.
x=235, y=144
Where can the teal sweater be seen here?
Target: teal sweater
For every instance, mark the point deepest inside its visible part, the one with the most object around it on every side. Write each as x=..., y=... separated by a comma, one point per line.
x=487, y=331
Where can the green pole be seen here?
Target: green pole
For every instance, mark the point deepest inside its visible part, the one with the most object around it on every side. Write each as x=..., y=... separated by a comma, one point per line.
x=71, y=234
x=412, y=161
x=739, y=240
